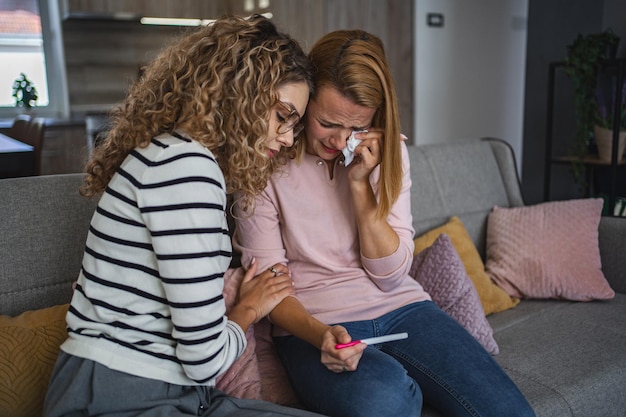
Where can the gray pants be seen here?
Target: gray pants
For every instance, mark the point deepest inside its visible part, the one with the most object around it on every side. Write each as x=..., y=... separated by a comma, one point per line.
x=80, y=387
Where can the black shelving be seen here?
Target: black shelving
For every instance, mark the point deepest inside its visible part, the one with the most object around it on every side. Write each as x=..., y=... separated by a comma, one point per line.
x=590, y=161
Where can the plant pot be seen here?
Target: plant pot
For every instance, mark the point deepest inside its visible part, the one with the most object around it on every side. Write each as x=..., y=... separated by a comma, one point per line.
x=604, y=140
x=611, y=50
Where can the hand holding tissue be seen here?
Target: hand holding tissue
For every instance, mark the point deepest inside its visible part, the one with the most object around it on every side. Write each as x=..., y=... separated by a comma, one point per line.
x=351, y=144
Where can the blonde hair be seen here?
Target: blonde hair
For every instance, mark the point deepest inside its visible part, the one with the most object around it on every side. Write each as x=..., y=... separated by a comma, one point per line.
x=353, y=62
x=217, y=84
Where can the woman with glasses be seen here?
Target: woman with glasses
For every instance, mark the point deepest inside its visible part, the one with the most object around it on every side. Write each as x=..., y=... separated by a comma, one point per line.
x=339, y=216
x=288, y=119
x=148, y=330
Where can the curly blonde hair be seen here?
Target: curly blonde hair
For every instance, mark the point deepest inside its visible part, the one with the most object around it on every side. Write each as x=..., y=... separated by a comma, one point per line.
x=353, y=62
x=217, y=84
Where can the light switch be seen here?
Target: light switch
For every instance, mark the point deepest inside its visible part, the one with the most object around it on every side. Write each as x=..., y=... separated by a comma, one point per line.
x=434, y=20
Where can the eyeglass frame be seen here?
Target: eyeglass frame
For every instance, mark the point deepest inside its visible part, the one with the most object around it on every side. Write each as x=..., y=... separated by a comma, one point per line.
x=287, y=125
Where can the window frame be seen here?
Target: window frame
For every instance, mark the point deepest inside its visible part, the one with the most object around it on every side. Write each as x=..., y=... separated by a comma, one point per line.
x=52, y=34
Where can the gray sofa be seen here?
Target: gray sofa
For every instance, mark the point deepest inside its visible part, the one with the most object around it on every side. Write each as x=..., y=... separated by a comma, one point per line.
x=569, y=358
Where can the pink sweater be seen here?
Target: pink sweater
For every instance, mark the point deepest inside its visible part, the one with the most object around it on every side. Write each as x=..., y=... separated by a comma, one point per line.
x=305, y=220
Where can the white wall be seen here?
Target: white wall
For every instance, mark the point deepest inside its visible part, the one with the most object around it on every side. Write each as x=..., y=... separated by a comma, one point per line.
x=470, y=72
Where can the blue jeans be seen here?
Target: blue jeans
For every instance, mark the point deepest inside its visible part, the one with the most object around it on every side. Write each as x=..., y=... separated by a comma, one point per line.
x=440, y=363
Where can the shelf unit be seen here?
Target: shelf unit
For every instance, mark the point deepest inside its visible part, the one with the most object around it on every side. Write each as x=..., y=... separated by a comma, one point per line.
x=590, y=161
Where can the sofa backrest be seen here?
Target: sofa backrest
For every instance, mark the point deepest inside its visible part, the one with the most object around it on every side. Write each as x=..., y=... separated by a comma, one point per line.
x=44, y=221
x=464, y=178
x=43, y=226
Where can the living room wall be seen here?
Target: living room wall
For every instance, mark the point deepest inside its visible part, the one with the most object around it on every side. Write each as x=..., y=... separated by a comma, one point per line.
x=470, y=70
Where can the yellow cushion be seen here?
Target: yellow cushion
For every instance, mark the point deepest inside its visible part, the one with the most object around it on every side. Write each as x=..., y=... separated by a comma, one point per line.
x=29, y=346
x=493, y=298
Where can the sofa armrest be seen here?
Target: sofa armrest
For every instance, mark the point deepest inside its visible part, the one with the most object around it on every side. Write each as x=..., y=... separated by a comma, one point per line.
x=612, y=236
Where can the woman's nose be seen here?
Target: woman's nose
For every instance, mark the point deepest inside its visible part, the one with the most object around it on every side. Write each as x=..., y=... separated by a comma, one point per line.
x=340, y=138
x=286, y=139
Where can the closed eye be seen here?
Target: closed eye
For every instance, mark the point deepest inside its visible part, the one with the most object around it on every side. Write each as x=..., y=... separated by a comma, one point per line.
x=327, y=125
x=280, y=117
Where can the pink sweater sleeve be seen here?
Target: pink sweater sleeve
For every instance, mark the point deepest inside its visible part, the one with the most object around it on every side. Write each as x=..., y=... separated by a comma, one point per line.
x=262, y=239
x=303, y=219
x=387, y=272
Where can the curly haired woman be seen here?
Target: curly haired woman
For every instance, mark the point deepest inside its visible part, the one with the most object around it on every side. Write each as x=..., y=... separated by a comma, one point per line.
x=148, y=331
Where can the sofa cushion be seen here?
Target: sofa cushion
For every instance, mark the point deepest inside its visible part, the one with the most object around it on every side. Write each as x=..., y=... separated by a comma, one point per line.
x=440, y=271
x=443, y=174
x=567, y=358
x=258, y=372
x=242, y=379
x=45, y=254
x=492, y=297
x=29, y=346
x=275, y=385
x=548, y=250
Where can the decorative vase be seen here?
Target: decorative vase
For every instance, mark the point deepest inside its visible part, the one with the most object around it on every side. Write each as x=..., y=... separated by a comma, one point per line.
x=604, y=140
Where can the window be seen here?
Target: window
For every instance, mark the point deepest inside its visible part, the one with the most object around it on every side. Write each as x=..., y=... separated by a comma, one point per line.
x=31, y=43
x=21, y=49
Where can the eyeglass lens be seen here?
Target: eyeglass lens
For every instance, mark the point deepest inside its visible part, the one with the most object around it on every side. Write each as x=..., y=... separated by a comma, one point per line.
x=290, y=121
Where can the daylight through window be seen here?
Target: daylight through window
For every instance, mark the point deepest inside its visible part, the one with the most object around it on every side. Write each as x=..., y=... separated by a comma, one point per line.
x=21, y=49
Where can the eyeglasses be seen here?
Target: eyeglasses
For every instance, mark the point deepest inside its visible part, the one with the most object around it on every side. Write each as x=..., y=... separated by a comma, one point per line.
x=290, y=121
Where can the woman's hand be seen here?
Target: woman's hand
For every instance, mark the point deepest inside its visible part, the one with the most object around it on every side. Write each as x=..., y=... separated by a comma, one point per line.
x=376, y=236
x=261, y=293
x=340, y=360
x=368, y=154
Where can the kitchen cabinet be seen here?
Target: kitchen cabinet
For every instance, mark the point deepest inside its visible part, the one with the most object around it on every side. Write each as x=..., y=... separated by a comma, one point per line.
x=103, y=56
x=64, y=150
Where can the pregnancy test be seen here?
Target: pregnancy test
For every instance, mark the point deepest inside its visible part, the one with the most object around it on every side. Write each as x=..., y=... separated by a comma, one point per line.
x=374, y=340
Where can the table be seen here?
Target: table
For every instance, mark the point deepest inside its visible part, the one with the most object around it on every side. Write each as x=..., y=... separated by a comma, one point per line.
x=16, y=158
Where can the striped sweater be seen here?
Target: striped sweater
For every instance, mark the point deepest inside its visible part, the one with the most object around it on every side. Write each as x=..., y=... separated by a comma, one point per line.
x=149, y=300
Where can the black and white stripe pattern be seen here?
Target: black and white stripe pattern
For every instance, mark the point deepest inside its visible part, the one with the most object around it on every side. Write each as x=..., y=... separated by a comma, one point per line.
x=149, y=296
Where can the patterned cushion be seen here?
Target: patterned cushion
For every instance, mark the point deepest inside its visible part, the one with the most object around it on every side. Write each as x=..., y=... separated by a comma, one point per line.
x=258, y=373
x=548, y=250
x=493, y=298
x=29, y=346
x=440, y=271
x=242, y=379
x=275, y=385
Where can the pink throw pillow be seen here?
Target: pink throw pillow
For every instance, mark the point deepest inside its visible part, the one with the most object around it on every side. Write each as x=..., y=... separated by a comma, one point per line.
x=275, y=385
x=441, y=272
x=549, y=250
x=242, y=379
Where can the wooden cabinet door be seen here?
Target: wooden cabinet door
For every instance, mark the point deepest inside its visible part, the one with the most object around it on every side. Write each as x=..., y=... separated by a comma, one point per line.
x=195, y=9
x=86, y=6
x=107, y=66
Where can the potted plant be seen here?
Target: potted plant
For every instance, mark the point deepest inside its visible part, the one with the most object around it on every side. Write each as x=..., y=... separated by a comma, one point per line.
x=582, y=63
x=24, y=92
x=605, y=123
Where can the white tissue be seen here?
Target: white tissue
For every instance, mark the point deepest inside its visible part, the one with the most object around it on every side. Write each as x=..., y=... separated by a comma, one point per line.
x=351, y=144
